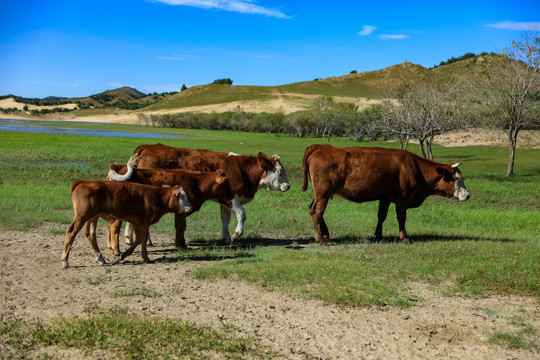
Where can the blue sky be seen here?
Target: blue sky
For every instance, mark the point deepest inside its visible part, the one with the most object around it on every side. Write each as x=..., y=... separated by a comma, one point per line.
x=78, y=48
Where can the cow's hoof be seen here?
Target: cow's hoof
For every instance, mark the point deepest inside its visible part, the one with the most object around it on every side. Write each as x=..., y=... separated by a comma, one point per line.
x=226, y=241
x=65, y=264
x=236, y=236
x=129, y=241
x=100, y=259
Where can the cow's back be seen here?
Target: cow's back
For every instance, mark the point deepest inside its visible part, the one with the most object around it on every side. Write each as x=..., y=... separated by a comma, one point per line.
x=362, y=174
x=168, y=157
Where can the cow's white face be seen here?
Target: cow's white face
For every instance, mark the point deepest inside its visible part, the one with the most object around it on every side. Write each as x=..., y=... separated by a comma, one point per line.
x=185, y=205
x=460, y=192
x=275, y=179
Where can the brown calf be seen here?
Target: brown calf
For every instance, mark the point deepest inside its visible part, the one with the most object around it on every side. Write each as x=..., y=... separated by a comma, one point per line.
x=199, y=187
x=367, y=174
x=141, y=205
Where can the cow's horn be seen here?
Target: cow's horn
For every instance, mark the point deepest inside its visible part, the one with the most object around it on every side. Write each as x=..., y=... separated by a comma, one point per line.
x=455, y=165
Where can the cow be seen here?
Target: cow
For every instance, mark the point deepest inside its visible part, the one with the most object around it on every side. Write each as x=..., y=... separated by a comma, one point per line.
x=363, y=174
x=199, y=186
x=246, y=173
x=141, y=205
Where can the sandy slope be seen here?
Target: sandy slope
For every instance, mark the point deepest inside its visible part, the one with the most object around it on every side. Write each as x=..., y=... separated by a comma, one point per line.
x=35, y=286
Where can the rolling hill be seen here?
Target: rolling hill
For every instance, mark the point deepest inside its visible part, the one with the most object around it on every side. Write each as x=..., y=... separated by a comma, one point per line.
x=361, y=88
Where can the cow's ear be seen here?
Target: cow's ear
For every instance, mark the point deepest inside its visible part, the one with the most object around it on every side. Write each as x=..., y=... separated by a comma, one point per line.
x=221, y=179
x=264, y=161
x=442, y=171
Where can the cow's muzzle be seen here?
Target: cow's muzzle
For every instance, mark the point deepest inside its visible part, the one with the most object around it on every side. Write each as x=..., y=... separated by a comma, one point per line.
x=462, y=195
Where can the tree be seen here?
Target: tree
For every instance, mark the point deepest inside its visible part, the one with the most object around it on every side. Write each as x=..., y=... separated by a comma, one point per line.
x=223, y=81
x=321, y=108
x=510, y=90
x=421, y=110
x=184, y=87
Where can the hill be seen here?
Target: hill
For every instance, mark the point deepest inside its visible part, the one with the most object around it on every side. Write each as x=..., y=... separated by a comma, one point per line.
x=360, y=88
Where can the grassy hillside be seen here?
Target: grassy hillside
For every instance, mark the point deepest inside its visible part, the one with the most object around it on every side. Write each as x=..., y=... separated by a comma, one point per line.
x=370, y=84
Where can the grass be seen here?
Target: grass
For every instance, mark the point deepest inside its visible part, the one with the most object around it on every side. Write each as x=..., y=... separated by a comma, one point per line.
x=120, y=333
x=366, y=274
x=523, y=337
x=136, y=291
x=486, y=245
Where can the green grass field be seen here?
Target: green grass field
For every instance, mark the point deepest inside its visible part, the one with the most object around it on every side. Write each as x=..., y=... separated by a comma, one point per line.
x=486, y=245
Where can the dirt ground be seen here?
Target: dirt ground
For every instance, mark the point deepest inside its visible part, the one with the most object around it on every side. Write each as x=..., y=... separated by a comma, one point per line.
x=34, y=285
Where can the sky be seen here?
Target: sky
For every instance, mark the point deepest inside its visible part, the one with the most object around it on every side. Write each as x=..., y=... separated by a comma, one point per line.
x=79, y=48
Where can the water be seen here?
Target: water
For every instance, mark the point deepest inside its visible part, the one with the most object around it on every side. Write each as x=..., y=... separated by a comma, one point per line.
x=75, y=128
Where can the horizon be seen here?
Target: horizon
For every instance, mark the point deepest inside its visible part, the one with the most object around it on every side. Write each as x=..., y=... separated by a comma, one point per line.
x=73, y=50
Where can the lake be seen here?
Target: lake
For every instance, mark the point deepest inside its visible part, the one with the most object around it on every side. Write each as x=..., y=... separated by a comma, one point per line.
x=75, y=128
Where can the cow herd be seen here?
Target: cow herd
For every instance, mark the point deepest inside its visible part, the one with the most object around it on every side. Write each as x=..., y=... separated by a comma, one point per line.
x=161, y=179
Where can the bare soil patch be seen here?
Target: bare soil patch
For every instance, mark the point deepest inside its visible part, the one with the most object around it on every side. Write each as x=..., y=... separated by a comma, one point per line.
x=34, y=285
x=527, y=139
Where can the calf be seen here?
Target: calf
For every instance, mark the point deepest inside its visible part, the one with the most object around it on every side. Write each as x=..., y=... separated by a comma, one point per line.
x=247, y=174
x=141, y=205
x=199, y=187
x=365, y=174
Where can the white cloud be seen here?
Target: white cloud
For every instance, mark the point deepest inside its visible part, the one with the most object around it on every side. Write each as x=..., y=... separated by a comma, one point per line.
x=241, y=6
x=366, y=30
x=516, y=25
x=393, y=37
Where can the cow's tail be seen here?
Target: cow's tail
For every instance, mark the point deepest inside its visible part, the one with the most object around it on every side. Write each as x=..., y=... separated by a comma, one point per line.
x=74, y=184
x=305, y=164
x=134, y=159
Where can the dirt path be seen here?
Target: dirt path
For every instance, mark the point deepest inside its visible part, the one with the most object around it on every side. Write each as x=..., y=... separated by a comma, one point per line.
x=34, y=285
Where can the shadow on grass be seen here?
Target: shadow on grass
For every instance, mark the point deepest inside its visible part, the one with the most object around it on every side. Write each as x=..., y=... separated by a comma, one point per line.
x=418, y=238
x=217, y=250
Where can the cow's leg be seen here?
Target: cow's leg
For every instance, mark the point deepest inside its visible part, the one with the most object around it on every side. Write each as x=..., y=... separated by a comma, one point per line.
x=225, y=220
x=128, y=233
x=401, y=212
x=113, y=236
x=383, y=212
x=180, y=227
x=142, y=233
x=90, y=232
x=319, y=225
x=130, y=250
x=71, y=232
x=240, y=214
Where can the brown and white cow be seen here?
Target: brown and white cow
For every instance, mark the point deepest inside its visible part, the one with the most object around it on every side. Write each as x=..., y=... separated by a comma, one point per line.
x=141, y=205
x=199, y=186
x=246, y=173
x=363, y=174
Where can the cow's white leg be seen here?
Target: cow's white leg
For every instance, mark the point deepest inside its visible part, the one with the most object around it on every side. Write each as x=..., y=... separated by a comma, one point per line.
x=225, y=220
x=240, y=214
x=129, y=233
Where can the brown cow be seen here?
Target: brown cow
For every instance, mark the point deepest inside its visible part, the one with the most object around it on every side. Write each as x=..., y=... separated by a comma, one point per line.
x=141, y=205
x=365, y=174
x=199, y=186
x=246, y=173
